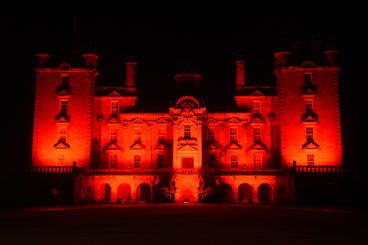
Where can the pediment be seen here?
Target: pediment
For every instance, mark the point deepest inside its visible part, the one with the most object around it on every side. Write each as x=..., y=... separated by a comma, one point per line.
x=113, y=120
x=161, y=146
x=187, y=148
x=63, y=92
x=61, y=145
x=310, y=145
x=256, y=93
x=137, y=121
x=258, y=146
x=114, y=94
x=233, y=146
x=112, y=147
x=137, y=146
x=234, y=120
x=161, y=120
x=311, y=117
x=212, y=120
x=62, y=119
x=309, y=91
x=257, y=119
x=212, y=146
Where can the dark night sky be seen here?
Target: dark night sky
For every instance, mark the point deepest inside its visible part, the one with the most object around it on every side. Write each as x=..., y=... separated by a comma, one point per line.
x=167, y=45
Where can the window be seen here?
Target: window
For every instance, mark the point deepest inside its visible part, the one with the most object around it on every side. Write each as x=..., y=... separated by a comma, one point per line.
x=187, y=134
x=256, y=107
x=257, y=135
x=113, y=135
x=307, y=79
x=211, y=161
x=138, y=135
x=309, y=134
x=310, y=159
x=308, y=106
x=64, y=81
x=258, y=161
x=113, y=160
x=161, y=160
x=137, y=161
x=233, y=161
x=115, y=108
x=161, y=135
x=61, y=159
x=64, y=107
x=62, y=134
x=233, y=135
x=211, y=135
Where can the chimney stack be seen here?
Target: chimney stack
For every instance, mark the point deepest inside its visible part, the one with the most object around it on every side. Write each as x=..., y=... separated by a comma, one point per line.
x=90, y=60
x=41, y=59
x=130, y=73
x=281, y=58
x=240, y=72
x=332, y=57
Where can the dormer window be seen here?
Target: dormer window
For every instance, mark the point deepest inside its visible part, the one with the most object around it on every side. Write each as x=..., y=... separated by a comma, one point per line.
x=115, y=108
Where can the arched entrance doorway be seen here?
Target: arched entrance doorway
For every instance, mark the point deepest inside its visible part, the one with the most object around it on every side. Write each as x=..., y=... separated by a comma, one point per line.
x=123, y=194
x=226, y=193
x=264, y=193
x=144, y=192
x=105, y=193
x=245, y=193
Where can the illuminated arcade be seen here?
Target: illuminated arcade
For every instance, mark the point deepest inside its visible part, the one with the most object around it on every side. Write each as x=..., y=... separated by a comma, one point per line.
x=187, y=152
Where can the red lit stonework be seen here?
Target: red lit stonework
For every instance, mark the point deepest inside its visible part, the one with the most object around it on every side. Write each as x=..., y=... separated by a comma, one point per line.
x=187, y=152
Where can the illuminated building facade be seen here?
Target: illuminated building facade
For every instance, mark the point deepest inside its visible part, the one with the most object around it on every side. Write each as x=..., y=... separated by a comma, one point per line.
x=187, y=152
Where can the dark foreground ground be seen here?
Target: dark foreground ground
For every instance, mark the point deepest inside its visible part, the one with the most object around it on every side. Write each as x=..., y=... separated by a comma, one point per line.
x=183, y=224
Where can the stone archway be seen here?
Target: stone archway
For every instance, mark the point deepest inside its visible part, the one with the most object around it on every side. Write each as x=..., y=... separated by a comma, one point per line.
x=226, y=193
x=245, y=193
x=105, y=193
x=144, y=192
x=123, y=193
x=264, y=193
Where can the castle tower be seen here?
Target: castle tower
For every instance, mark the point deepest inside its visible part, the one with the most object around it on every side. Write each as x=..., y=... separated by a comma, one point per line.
x=309, y=111
x=63, y=113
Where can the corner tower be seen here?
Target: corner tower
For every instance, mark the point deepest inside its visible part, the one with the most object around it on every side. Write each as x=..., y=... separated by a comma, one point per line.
x=63, y=111
x=309, y=111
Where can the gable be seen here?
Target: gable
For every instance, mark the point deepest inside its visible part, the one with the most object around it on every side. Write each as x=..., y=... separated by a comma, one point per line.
x=114, y=94
x=211, y=120
x=234, y=120
x=161, y=120
x=256, y=93
x=258, y=146
x=310, y=145
x=187, y=148
x=137, y=146
x=112, y=147
x=61, y=145
x=137, y=121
